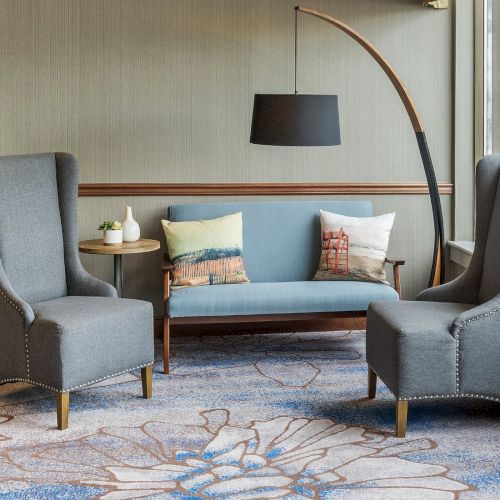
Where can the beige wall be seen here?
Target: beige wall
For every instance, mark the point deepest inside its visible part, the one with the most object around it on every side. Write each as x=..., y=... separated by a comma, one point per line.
x=495, y=47
x=161, y=91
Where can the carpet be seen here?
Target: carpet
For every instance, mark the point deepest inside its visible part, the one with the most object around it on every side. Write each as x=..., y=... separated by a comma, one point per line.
x=248, y=416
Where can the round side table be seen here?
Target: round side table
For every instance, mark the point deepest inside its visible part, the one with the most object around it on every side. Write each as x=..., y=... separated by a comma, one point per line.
x=99, y=248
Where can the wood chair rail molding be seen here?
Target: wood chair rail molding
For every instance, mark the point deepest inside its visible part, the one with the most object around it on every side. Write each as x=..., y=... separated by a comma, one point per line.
x=259, y=189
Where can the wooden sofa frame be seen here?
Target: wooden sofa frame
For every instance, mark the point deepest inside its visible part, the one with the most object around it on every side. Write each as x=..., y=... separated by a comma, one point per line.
x=257, y=318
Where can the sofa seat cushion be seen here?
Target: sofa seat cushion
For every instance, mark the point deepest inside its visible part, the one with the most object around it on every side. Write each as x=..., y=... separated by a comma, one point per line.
x=277, y=298
x=88, y=338
x=411, y=348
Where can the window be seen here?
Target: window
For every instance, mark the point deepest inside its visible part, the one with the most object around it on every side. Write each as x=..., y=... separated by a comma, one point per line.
x=489, y=11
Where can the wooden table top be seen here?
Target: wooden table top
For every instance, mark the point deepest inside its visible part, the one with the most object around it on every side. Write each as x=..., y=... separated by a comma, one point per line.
x=98, y=247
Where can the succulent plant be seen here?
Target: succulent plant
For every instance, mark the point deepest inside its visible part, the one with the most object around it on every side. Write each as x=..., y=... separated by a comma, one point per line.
x=110, y=225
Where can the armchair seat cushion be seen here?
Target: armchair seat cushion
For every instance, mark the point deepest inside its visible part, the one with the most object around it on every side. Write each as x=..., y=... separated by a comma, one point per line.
x=75, y=341
x=277, y=298
x=411, y=348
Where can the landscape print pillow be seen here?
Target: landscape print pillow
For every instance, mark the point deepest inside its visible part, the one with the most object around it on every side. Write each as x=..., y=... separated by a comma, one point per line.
x=354, y=248
x=206, y=252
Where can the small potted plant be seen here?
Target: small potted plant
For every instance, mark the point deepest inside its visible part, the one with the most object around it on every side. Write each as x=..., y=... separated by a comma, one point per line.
x=112, y=232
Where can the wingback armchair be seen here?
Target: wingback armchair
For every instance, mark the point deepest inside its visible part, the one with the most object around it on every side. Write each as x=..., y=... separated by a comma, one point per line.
x=60, y=328
x=447, y=343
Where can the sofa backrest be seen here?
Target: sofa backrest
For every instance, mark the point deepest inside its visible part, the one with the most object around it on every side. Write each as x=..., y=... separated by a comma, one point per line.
x=281, y=240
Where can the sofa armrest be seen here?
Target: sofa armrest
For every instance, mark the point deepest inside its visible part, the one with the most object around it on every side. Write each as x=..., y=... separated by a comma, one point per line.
x=166, y=265
x=395, y=262
x=395, y=268
x=167, y=268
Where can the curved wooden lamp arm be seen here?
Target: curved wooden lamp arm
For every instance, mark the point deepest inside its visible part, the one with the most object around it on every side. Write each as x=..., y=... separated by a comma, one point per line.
x=382, y=62
x=437, y=271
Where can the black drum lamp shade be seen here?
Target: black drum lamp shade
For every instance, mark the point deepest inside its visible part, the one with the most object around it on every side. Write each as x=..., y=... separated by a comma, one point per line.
x=295, y=120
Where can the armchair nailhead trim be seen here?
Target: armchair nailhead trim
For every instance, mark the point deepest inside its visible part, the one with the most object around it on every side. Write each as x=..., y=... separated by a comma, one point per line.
x=18, y=379
x=20, y=311
x=27, y=354
x=11, y=302
x=457, y=364
x=437, y=396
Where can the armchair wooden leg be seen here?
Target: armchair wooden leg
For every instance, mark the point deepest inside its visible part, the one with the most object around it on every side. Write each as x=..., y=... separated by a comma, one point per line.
x=62, y=410
x=372, y=383
x=147, y=382
x=166, y=345
x=401, y=418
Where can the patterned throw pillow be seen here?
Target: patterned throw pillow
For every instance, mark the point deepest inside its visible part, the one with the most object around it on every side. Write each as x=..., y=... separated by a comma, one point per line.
x=206, y=252
x=354, y=248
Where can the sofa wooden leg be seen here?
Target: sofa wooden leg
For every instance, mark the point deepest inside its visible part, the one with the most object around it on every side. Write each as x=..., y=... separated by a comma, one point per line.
x=401, y=418
x=62, y=410
x=166, y=345
x=147, y=382
x=372, y=383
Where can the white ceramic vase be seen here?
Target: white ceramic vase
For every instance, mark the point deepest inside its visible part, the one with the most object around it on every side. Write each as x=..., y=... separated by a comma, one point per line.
x=131, y=230
x=112, y=236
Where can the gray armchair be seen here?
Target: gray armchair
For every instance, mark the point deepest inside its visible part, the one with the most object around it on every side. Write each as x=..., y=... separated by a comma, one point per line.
x=447, y=343
x=60, y=328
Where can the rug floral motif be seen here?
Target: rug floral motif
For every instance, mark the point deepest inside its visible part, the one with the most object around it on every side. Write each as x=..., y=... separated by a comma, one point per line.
x=249, y=430
x=269, y=459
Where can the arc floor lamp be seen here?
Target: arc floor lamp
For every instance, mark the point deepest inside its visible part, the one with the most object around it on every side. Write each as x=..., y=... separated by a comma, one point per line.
x=312, y=120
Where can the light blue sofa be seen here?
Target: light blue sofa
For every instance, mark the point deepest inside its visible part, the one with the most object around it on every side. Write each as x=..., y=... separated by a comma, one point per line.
x=281, y=249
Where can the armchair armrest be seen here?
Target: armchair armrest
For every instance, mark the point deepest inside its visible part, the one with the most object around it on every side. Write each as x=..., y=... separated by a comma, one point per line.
x=82, y=283
x=16, y=318
x=477, y=319
x=462, y=290
x=476, y=333
x=395, y=268
x=14, y=311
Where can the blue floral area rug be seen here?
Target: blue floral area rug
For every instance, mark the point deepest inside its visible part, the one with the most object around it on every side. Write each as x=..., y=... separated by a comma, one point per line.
x=246, y=417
